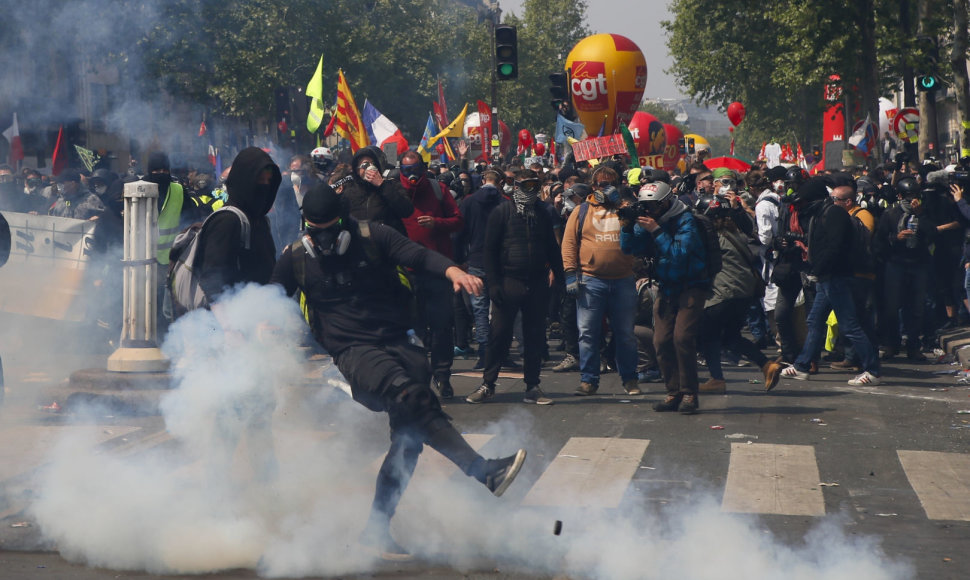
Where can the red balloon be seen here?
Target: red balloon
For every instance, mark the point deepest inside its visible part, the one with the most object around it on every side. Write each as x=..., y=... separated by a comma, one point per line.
x=540, y=149
x=736, y=113
x=672, y=150
x=648, y=133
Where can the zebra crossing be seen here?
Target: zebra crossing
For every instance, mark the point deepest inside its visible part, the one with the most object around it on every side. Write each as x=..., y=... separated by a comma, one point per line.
x=585, y=472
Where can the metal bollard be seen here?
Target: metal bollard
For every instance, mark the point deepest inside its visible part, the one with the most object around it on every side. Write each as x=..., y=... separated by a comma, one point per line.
x=139, y=350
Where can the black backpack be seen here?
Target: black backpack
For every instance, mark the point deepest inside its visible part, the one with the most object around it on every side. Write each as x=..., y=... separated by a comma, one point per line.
x=712, y=246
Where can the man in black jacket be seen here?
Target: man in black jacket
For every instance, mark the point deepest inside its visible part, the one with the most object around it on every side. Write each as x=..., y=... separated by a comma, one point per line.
x=226, y=260
x=373, y=198
x=346, y=269
x=520, y=251
x=469, y=248
x=830, y=242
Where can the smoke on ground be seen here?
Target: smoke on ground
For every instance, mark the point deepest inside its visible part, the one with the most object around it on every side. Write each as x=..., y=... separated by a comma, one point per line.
x=279, y=479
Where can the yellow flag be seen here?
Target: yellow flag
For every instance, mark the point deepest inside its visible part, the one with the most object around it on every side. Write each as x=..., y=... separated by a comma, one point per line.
x=454, y=129
x=315, y=90
x=349, y=123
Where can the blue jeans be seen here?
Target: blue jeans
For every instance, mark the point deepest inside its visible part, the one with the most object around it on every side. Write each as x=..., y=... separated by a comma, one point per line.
x=836, y=294
x=617, y=300
x=480, y=306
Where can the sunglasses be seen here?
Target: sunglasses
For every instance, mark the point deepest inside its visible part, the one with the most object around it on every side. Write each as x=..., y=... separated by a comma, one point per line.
x=528, y=185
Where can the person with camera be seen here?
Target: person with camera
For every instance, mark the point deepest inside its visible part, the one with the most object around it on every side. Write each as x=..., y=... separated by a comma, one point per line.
x=902, y=242
x=946, y=278
x=600, y=275
x=373, y=198
x=353, y=295
x=522, y=260
x=666, y=229
x=830, y=242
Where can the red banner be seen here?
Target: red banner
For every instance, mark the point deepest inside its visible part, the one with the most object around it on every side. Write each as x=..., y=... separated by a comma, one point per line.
x=485, y=126
x=599, y=147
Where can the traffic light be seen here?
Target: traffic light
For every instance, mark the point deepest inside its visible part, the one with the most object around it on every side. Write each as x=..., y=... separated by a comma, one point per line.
x=928, y=83
x=691, y=148
x=816, y=153
x=560, y=92
x=683, y=145
x=506, y=53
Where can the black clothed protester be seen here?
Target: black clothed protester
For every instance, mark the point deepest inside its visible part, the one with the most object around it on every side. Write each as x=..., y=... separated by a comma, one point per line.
x=520, y=250
x=387, y=204
x=224, y=262
x=355, y=300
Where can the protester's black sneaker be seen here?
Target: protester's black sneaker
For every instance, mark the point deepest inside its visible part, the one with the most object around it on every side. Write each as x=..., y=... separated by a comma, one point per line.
x=499, y=473
x=689, y=405
x=443, y=385
x=481, y=394
x=384, y=546
x=670, y=403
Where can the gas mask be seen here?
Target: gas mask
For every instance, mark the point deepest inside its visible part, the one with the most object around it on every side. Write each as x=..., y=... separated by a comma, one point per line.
x=412, y=172
x=609, y=194
x=778, y=186
x=508, y=188
x=327, y=242
x=568, y=205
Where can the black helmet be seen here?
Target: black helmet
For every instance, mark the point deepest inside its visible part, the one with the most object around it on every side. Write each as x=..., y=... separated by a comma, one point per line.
x=796, y=176
x=713, y=206
x=866, y=185
x=907, y=187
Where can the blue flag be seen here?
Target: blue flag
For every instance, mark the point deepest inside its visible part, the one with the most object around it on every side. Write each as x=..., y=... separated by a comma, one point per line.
x=566, y=128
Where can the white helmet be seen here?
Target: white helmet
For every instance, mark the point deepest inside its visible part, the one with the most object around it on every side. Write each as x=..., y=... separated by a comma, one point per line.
x=323, y=159
x=655, y=191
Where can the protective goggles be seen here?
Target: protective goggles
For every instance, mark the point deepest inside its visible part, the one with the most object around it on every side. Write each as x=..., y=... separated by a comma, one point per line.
x=603, y=184
x=411, y=169
x=342, y=181
x=528, y=185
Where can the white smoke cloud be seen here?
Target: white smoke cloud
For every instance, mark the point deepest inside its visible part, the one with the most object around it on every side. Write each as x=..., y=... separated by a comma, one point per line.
x=193, y=510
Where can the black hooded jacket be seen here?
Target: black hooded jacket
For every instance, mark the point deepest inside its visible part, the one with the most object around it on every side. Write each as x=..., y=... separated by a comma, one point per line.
x=387, y=204
x=224, y=262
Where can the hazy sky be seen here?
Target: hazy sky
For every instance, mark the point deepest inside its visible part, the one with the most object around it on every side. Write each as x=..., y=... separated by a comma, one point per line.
x=638, y=21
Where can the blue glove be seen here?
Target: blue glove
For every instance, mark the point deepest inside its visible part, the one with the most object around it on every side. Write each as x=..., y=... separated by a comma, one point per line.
x=572, y=284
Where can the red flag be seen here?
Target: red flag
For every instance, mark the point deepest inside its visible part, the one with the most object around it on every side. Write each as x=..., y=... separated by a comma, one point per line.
x=16, y=147
x=212, y=155
x=202, y=127
x=439, y=116
x=329, y=129
x=552, y=151
x=442, y=104
x=485, y=127
x=349, y=124
x=762, y=154
x=59, y=161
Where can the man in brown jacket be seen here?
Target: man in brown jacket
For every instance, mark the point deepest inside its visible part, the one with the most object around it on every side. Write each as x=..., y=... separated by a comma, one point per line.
x=601, y=277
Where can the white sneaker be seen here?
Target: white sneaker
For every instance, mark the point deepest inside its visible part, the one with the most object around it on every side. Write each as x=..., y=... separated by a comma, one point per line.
x=790, y=372
x=864, y=379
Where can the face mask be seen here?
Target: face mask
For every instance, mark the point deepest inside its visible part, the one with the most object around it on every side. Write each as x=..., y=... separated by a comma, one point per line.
x=778, y=187
x=724, y=190
x=508, y=189
x=610, y=195
x=907, y=205
x=264, y=190
x=100, y=189
x=60, y=189
x=163, y=180
x=568, y=205
x=296, y=179
x=331, y=241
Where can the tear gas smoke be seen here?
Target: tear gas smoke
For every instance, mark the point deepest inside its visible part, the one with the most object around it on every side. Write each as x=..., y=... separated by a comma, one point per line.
x=294, y=504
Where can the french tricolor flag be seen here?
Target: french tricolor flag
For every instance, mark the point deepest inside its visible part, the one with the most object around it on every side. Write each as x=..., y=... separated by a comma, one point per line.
x=381, y=130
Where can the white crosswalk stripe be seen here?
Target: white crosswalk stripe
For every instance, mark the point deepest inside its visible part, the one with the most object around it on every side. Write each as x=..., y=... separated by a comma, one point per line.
x=588, y=472
x=942, y=482
x=773, y=479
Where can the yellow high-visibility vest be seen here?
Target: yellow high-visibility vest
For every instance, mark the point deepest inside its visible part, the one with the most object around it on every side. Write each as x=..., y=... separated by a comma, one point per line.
x=168, y=222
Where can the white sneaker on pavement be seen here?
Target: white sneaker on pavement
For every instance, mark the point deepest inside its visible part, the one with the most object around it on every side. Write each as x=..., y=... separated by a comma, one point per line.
x=866, y=378
x=790, y=372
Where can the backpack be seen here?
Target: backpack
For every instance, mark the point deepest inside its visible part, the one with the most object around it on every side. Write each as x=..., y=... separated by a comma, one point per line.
x=712, y=246
x=183, y=278
x=862, y=257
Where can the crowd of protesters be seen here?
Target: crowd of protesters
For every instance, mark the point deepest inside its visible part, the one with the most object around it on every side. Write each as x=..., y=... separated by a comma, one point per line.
x=636, y=271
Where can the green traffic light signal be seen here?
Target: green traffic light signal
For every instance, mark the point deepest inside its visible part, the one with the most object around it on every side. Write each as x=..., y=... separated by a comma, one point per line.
x=506, y=70
x=928, y=83
x=506, y=53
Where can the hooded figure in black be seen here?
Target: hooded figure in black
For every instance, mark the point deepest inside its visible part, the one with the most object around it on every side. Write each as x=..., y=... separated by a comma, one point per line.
x=347, y=272
x=372, y=198
x=252, y=184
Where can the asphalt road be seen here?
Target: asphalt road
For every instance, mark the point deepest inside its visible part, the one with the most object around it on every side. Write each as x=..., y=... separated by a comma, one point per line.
x=816, y=477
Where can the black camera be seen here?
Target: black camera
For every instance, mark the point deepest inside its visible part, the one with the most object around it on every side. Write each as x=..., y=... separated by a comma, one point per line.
x=631, y=212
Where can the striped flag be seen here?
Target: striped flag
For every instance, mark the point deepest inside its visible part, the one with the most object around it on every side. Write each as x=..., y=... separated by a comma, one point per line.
x=16, y=146
x=349, y=124
x=424, y=148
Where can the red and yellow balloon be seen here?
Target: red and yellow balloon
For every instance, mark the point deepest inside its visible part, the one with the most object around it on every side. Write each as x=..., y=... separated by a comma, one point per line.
x=672, y=150
x=608, y=74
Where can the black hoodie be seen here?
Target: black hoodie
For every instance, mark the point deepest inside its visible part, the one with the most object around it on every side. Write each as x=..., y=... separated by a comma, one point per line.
x=224, y=262
x=387, y=204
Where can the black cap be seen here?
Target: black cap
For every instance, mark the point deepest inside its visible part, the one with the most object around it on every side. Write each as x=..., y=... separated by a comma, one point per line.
x=321, y=204
x=157, y=161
